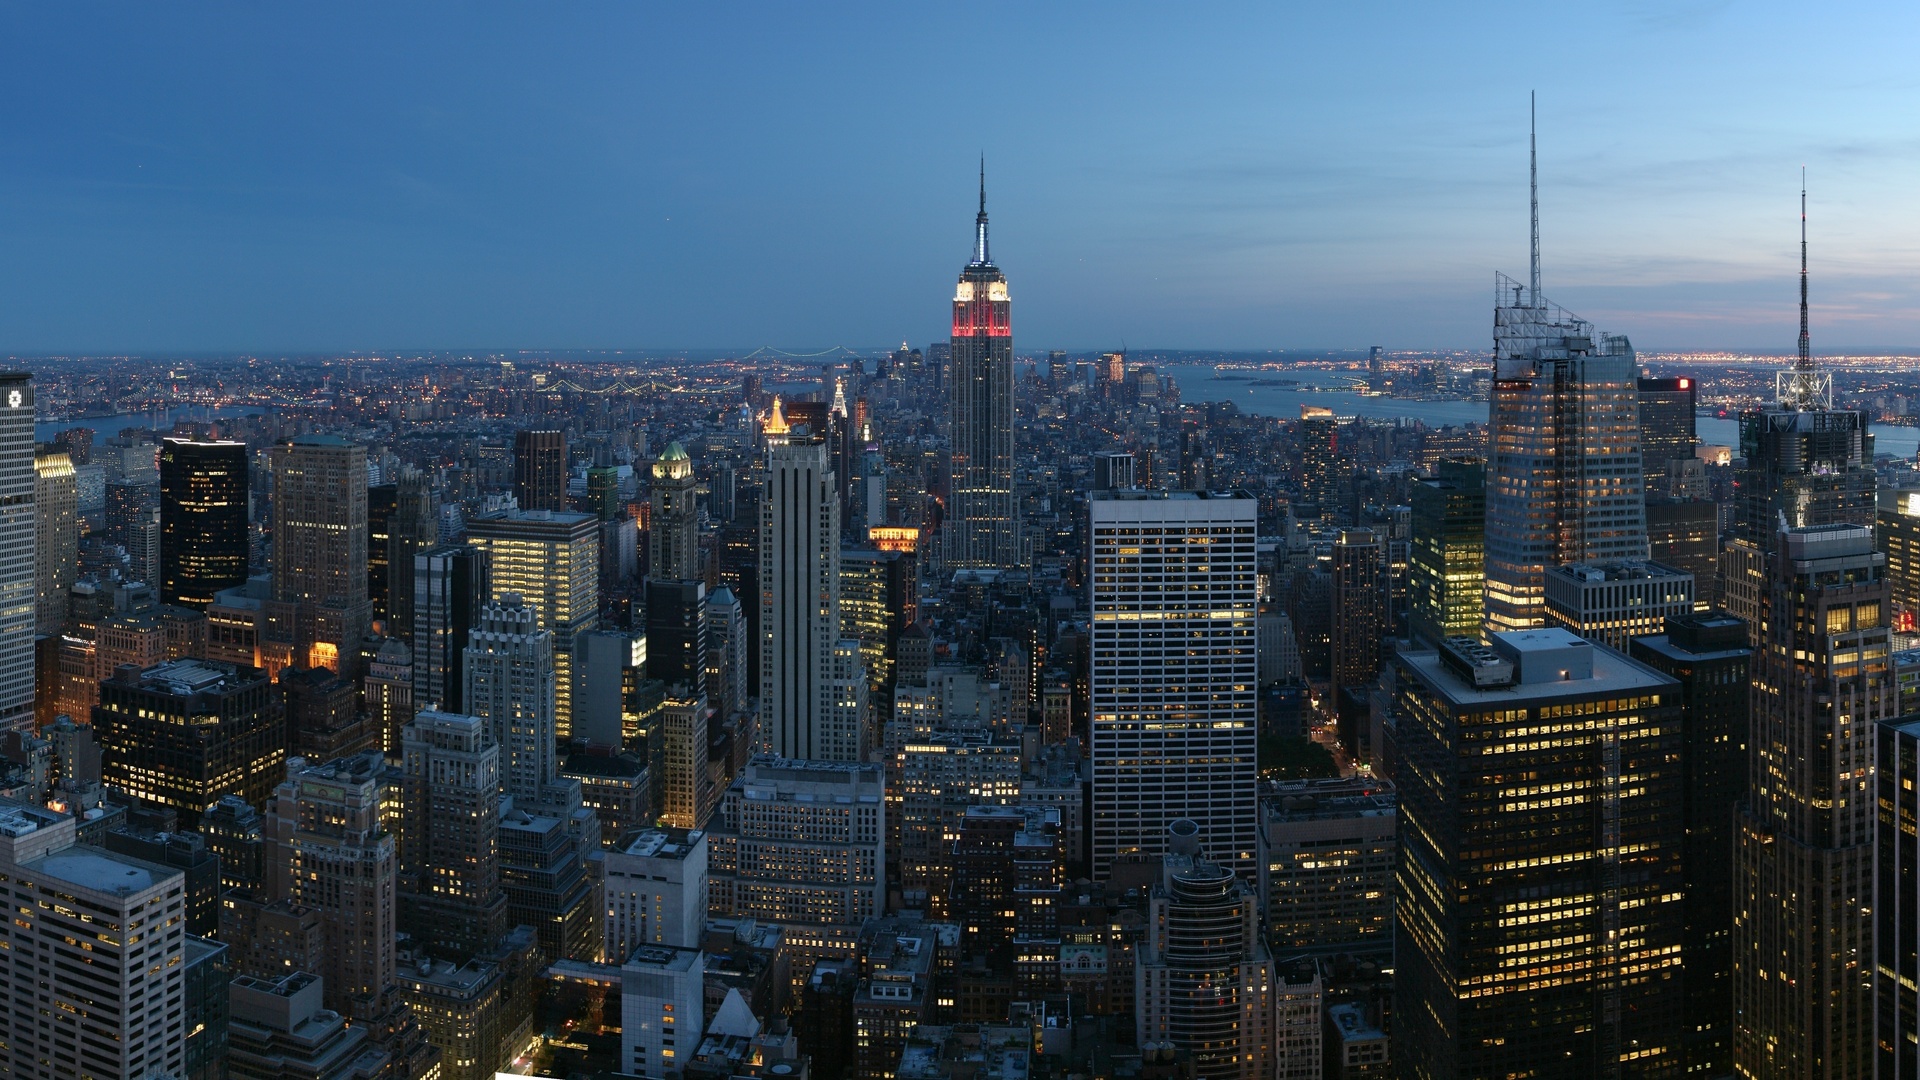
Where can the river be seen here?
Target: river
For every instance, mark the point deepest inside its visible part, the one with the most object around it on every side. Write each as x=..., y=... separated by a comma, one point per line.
x=1260, y=394
x=159, y=420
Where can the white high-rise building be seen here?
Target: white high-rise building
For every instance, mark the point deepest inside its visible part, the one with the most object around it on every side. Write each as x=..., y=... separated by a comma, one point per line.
x=510, y=683
x=800, y=600
x=662, y=997
x=656, y=882
x=1174, y=672
x=95, y=969
x=18, y=602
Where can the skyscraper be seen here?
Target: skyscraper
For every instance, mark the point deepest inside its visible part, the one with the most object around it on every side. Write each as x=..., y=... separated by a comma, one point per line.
x=1173, y=678
x=729, y=653
x=320, y=605
x=800, y=595
x=878, y=601
x=1327, y=852
x=982, y=532
x=185, y=733
x=413, y=528
x=1666, y=427
x=802, y=843
x=656, y=890
x=203, y=519
x=540, y=470
x=1359, y=609
x=677, y=635
x=1564, y=482
x=449, y=849
x=86, y=1000
x=328, y=850
x=1896, y=902
x=1319, y=460
x=56, y=553
x=1205, y=980
x=552, y=561
x=1807, y=463
x=683, y=760
x=1803, y=929
x=18, y=602
x=673, y=528
x=449, y=588
x=1685, y=534
x=1615, y=603
x=510, y=684
x=1540, y=879
x=1708, y=654
x=1447, y=563
x=603, y=492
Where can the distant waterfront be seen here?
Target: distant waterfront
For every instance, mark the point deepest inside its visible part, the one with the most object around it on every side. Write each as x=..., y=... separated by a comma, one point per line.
x=161, y=420
x=1259, y=394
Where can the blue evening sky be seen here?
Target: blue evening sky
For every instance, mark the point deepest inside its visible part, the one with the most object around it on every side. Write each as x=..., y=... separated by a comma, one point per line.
x=269, y=176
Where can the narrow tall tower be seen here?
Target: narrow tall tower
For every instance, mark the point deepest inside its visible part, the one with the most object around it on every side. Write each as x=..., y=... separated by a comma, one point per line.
x=1803, y=854
x=1806, y=352
x=56, y=498
x=1564, y=484
x=673, y=530
x=510, y=684
x=203, y=519
x=18, y=603
x=982, y=532
x=1807, y=463
x=540, y=470
x=320, y=604
x=799, y=598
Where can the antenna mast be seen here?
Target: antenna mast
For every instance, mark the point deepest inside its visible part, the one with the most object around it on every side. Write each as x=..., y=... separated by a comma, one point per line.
x=1806, y=353
x=1533, y=192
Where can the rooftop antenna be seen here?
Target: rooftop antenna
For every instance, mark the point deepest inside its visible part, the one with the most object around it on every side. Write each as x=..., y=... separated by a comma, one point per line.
x=980, y=223
x=1533, y=192
x=1806, y=353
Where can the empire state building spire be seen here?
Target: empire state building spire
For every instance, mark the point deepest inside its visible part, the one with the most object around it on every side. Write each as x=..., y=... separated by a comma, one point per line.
x=980, y=257
x=982, y=528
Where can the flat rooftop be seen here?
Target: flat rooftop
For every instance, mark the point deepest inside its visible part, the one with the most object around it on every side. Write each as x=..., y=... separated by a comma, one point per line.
x=660, y=844
x=1612, y=674
x=1163, y=495
x=98, y=870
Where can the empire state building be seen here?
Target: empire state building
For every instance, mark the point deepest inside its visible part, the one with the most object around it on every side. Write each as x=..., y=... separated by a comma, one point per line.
x=981, y=531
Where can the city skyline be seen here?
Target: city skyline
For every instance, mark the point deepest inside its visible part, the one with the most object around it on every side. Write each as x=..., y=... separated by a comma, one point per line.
x=333, y=183
x=946, y=711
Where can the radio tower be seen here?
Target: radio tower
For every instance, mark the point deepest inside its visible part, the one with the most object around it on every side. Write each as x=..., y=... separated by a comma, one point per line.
x=1803, y=387
x=1806, y=353
x=1533, y=195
